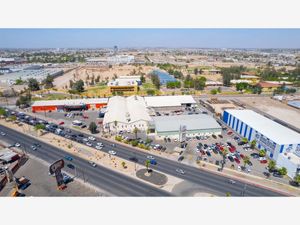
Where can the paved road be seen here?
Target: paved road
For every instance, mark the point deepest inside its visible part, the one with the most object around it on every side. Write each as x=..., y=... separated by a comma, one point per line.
x=109, y=180
x=217, y=183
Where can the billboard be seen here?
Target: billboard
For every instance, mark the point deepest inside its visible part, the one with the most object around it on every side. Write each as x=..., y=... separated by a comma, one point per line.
x=182, y=133
x=55, y=168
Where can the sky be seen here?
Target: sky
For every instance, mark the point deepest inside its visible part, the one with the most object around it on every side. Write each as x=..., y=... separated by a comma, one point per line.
x=139, y=38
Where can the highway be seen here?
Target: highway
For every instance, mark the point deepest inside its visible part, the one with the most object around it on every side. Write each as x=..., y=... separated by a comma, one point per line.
x=113, y=182
x=217, y=183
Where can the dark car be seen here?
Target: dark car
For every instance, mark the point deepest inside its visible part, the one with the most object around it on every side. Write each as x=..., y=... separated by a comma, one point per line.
x=230, y=158
x=205, y=146
x=153, y=162
x=133, y=159
x=214, y=136
x=277, y=174
x=71, y=166
x=255, y=155
x=180, y=158
x=80, y=135
x=208, y=153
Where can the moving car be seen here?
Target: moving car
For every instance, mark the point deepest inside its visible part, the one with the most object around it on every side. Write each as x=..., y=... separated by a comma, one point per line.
x=92, y=164
x=69, y=158
x=181, y=171
x=3, y=134
x=17, y=144
x=231, y=181
x=112, y=152
x=71, y=166
x=150, y=157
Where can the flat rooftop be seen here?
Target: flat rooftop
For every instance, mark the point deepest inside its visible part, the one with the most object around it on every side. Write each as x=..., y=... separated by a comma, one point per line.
x=274, y=131
x=169, y=101
x=192, y=122
x=71, y=102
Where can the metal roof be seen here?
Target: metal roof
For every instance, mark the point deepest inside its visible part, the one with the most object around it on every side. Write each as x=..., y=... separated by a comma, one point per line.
x=71, y=102
x=126, y=110
x=272, y=130
x=168, y=101
x=192, y=122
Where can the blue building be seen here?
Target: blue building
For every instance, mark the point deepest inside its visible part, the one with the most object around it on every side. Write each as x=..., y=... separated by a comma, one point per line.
x=281, y=143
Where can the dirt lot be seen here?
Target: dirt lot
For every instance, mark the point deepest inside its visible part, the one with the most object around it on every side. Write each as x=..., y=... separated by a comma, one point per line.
x=275, y=108
x=104, y=72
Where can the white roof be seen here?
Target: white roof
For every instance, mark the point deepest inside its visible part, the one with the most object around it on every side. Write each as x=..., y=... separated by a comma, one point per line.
x=126, y=110
x=272, y=130
x=71, y=102
x=192, y=122
x=168, y=101
x=123, y=82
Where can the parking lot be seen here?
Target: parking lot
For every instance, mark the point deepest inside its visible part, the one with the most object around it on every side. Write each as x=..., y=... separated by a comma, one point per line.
x=41, y=184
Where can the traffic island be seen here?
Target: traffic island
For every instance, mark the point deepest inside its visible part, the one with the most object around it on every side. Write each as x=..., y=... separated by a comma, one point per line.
x=152, y=177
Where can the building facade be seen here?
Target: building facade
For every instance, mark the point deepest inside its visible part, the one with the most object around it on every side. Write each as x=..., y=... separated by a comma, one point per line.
x=280, y=143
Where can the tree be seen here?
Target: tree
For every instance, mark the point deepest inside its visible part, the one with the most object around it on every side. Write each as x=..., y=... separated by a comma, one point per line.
x=78, y=86
x=135, y=131
x=246, y=160
x=19, y=81
x=252, y=144
x=199, y=83
x=142, y=78
x=262, y=153
x=123, y=164
x=48, y=82
x=13, y=118
x=155, y=80
x=93, y=127
x=147, y=164
x=272, y=165
x=3, y=112
x=213, y=91
x=228, y=194
x=39, y=127
x=224, y=155
x=244, y=140
x=150, y=92
x=282, y=171
x=33, y=84
x=297, y=179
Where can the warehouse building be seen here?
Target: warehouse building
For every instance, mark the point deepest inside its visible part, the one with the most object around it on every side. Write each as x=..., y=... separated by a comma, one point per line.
x=69, y=104
x=169, y=101
x=126, y=113
x=191, y=125
x=281, y=143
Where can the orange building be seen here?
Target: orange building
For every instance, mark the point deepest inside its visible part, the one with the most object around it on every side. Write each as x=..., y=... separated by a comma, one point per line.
x=69, y=104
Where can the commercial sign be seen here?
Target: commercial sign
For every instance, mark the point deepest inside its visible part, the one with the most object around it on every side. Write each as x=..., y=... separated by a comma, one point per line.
x=265, y=142
x=182, y=133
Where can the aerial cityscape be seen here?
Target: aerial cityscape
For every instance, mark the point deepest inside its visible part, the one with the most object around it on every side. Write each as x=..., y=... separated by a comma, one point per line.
x=150, y=112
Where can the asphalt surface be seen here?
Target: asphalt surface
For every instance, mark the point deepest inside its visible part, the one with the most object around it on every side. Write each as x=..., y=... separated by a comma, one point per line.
x=217, y=183
x=109, y=180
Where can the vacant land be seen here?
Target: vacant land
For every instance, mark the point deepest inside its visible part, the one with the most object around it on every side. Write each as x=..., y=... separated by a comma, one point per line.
x=275, y=108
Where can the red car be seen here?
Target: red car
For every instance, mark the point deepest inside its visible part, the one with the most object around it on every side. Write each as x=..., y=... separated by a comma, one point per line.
x=229, y=132
x=61, y=123
x=263, y=161
x=202, y=152
x=231, y=149
x=237, y=160
x=242, y=156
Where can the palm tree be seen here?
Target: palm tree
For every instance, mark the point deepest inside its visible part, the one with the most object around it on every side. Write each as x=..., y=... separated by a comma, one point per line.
x=135, y=131
x=253, y=144
x=116, y=124
x=147, y=164
x=272, y=165
x=224, y=153
x=246, y=160
x=297, y=179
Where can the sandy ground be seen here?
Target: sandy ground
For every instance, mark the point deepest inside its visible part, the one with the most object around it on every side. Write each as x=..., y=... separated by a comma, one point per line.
x=104, y=72
x=275, y=108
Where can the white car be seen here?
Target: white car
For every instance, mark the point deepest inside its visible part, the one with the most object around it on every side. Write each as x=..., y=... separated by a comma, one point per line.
x=239, y=168
x=181, y=171
x=85, y=139
x=93, y=164
x=17, y=145
x=98, y=147
x=150, y=157
x=112, y=152
x=34, y=148
x=92, y=138
x=3, y=134
x=99, y=144
x=231, y=181
x=89, y=144
x=175, y=139
x=262, y=158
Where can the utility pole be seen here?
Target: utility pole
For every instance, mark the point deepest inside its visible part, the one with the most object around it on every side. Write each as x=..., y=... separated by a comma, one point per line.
x=244, y=190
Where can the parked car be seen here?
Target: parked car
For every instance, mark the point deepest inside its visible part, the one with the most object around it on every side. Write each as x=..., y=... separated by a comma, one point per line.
x=61, y=123
x=237, y=160
x=263, y=161
x=180, y=158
